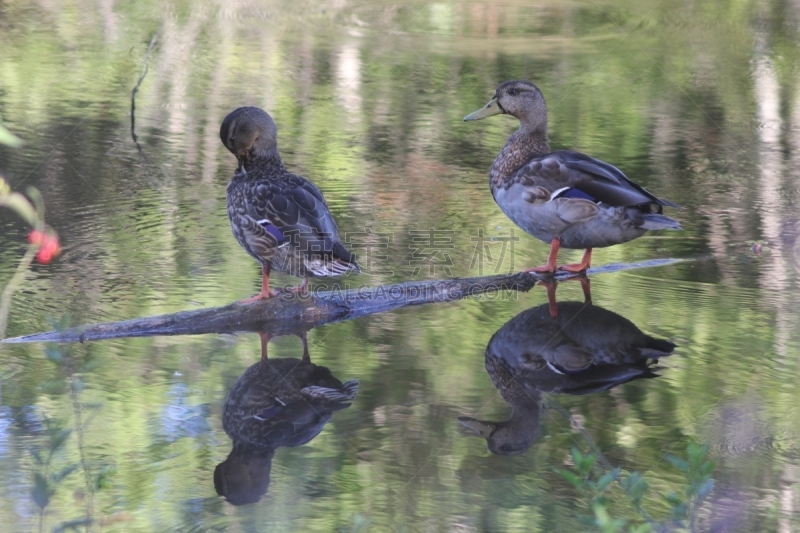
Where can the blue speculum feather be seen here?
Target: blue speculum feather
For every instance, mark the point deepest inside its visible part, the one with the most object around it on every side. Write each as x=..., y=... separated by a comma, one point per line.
x=269, y=412
x=272, y=230
x=575, y=193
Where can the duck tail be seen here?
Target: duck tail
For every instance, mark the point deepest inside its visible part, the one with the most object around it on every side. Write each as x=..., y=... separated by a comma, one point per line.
x=345, y=393
x=339, y=261
x=656, y=348
x=344, y=260
x=654, y=221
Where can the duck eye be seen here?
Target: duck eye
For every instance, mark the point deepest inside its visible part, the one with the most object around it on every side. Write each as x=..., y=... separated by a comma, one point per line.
x=513, y=92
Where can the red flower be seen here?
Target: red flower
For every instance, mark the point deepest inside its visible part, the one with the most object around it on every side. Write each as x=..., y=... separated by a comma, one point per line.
x=49, y=247
x=36, y=236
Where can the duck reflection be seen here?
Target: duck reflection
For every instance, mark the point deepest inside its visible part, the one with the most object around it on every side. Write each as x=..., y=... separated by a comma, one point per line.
x=274, y=403
x=567, y=348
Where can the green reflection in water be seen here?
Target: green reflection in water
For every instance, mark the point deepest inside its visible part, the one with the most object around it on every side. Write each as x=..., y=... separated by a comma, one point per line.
x=696, y=102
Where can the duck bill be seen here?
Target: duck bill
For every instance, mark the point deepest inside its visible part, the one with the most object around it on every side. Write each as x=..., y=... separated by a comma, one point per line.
x=477, y=427
x=492, y=108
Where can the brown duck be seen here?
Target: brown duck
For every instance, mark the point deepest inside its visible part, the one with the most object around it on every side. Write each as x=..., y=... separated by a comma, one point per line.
x=275, y=403
x=564, y=198
x=279, y=218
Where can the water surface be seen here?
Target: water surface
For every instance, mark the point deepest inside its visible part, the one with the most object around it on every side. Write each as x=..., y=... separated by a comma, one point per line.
x=697, y=102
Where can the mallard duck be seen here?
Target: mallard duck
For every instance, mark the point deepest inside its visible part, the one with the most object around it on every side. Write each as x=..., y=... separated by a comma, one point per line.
x=585, y=349
x=279, y=218
x=274, y=403
x=283, y=402
x=564, y=198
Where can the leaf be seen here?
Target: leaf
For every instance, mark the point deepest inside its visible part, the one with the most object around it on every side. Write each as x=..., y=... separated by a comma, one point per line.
x=635, y=485
x=573, y=478
x=53, y=353
x=603, y=520
x=41, y=491
x=680, y=510
x=607, y=478
x=64, y=473
x=36, y=456
x=60, y=324
x=705, y=489
x=8, y=138
x=64, y=322
x=74, y=525
x=588, y=462
x=696, y=453
x=678, y=463
x=707, y=467
x=21, y=206
x=58, y=438
x=78, y=384
x=103, y=480
x=577, y=456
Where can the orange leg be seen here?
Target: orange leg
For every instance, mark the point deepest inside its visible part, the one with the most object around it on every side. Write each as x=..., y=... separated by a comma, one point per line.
x=265, y=290
x=551, y=285
x=587, y=289
x=265, y=337
x=304, y=340
x=586, y=262
x=301, y=289
x=550, y=267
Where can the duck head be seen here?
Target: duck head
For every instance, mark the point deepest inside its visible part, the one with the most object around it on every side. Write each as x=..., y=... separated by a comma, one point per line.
x=244, y=476
x=249, y=133
x=513, y=436
x=518, y=98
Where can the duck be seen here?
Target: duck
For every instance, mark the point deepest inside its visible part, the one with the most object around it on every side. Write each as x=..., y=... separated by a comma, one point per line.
x=279, y=218
x=564, y=198
x=584, y=349
x=283, y=402
x=280, y=402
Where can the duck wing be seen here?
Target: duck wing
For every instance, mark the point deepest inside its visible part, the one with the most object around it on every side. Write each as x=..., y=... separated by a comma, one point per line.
x=564, y=172
x=293, y=212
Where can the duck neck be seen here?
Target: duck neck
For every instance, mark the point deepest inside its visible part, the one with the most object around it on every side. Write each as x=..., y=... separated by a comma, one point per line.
x=269, y=161
x=525, y=421
x=525, y=144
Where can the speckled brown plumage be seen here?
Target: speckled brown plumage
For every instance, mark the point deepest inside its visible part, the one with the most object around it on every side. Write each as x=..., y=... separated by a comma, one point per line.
x=274, y=403
x=564, y=198
x=280, y=219
x=283, y=402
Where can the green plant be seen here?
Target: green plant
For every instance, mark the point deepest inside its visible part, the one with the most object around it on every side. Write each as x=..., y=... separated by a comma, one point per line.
x=595, y=486
x=700, y=484
x=43, y=241
x=45, y=480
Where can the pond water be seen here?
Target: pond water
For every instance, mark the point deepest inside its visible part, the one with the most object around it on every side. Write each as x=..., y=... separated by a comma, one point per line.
x=698, y=102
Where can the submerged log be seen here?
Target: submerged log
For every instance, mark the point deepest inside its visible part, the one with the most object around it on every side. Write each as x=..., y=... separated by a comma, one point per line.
x=291, y=313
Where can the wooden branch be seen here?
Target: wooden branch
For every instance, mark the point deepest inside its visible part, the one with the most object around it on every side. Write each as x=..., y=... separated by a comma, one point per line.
x=291, y=313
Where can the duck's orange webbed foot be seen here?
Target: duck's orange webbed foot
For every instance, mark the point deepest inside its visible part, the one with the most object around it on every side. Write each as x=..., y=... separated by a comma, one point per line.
x=260, y=296
x=583, y=266
x=266, y=292
x=550, y=267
